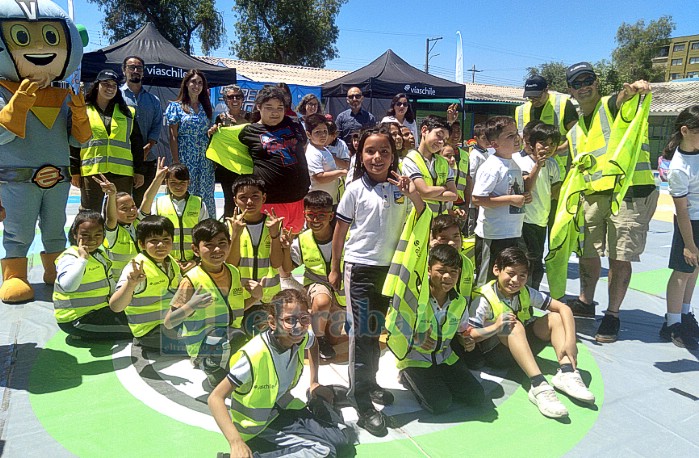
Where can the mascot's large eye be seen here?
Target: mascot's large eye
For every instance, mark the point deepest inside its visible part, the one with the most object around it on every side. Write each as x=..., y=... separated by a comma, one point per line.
x=51, y=36
x=20, y=35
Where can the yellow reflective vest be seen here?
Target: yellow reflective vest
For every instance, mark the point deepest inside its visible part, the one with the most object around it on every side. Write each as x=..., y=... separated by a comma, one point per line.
x=227, y=150
x=253, y=410
x=124, y=249
x=93, y=292
x=148, y=308
x=108, y=153
x=316, y=267
x=524, y=313
x=255, y=263
x=224, y=311
x=184, y=223
x=441, y=167
x=462, y=174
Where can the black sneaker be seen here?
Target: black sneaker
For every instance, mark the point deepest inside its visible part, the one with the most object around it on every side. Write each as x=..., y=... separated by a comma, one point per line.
x=214, y=374
x=690, y=324
x=679, y=335
x=373, y=421
x=325, y=349
x=381, y=396
x=608, y=329
x=581, y=309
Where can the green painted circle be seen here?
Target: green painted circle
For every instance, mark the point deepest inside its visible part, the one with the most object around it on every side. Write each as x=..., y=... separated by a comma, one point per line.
x=80, y=402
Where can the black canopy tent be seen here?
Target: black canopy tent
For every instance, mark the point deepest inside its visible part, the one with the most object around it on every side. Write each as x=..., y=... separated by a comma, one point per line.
x=165, y=64
x=382, y=79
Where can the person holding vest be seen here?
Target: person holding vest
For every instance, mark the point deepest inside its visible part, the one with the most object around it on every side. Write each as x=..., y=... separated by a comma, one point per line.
x=116, y=147
x=433, y=178
x=210, y=302
x=620, y=236
x=255, y=245
x=182, y=208
x=313, y=249
x=264, y=416
x=555, y=109
x=428, y=366
x=503, y=314
x=148, y=283
x=84, y=284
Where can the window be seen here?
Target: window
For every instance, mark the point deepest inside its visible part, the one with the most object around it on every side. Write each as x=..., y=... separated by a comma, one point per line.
x=695, y=45
x=693, y=75
x=693, y=60
x=674, y=76
x=676, y=62
x=678, y=47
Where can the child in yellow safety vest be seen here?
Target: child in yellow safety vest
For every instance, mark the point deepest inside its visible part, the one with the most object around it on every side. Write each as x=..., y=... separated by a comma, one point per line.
x=179, y=206
x=148, y=284
x=210, y=303
x=313, y=249
x=255, y=244
x=502, y=313
x=84, y=284
x=264, y=415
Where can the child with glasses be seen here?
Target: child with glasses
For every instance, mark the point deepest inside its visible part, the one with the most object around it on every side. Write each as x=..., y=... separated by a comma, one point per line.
x=264, y=416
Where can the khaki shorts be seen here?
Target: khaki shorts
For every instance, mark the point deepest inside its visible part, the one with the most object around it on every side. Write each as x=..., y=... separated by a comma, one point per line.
x=620, y=237
x=320, y=288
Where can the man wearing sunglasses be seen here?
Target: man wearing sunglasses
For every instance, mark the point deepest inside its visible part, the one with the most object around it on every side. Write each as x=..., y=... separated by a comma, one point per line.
x=621, y=237
x=355, y=117
x=555, y=109
x=149, y=116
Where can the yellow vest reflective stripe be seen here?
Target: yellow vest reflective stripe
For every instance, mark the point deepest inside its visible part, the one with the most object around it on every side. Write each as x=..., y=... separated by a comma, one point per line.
x=462, y=173
x=92, y=294
x=316, y=268
x=125, y=248
x=255, y=262
x=441, y=168
x=223, y=311
x=253, y=410
x=499, y=306
x=226, y=149
x=643, y=173
x=182, y=241
x=441, y=333
x=148, y=308
x=108, y=152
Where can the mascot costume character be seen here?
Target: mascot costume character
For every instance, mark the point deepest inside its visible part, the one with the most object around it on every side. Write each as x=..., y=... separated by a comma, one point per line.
x=39, y=44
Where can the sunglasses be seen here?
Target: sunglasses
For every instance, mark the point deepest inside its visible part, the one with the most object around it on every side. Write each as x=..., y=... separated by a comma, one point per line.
x=135, y=68
x=402, y=104
x=317, y=216
x=235, y=97
x=290, y=321
x=584, y=83
x=355, y=96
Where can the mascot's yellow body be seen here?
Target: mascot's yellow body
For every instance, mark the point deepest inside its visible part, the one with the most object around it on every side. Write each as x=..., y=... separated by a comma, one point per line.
x=39, y=44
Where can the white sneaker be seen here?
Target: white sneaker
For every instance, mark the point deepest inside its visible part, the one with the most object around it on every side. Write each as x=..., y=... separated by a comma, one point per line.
x=544, y=397
x=572, y=384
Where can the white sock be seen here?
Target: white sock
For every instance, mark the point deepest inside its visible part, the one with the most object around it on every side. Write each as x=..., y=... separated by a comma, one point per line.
x=686, y=308
x=673, y=318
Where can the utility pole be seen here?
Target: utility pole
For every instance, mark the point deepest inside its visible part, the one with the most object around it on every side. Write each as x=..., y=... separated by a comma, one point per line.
x=428, y=50
x=473, y=73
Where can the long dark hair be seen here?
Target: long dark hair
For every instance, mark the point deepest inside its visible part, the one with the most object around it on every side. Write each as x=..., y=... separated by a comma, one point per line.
x=91, y=99
x=183, y=96
x=366, y=133
x=690, y=118
x=409, y=115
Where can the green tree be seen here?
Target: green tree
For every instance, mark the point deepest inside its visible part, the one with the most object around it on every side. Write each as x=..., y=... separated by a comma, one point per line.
x=554, y=73
x=294, y=32
x=180, y=21
x=637, y=45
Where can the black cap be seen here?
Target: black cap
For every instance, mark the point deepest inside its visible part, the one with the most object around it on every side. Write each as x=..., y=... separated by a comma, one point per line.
x=534, y=86
x=581, y=68
x=106, y=75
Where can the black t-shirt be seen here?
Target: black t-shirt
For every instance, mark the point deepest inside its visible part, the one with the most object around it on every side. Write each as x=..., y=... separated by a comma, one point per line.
x=279, y=159
x=570, y=113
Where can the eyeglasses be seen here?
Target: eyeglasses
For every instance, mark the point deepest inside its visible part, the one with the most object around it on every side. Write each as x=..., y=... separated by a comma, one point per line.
x=317, y=216
x=311, y=104
x=290, y=321
x=235, y=97
x=402, y=104
x=355, y=96
x=584, y=83
x=135, y=68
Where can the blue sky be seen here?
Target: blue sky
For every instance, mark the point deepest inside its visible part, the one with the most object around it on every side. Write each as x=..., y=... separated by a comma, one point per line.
x=501, y=38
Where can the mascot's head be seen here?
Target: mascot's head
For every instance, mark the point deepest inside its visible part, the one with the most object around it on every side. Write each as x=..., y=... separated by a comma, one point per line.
x=37, y=41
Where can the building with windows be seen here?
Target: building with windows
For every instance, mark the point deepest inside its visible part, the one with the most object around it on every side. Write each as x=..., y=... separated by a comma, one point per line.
x=680, y=58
